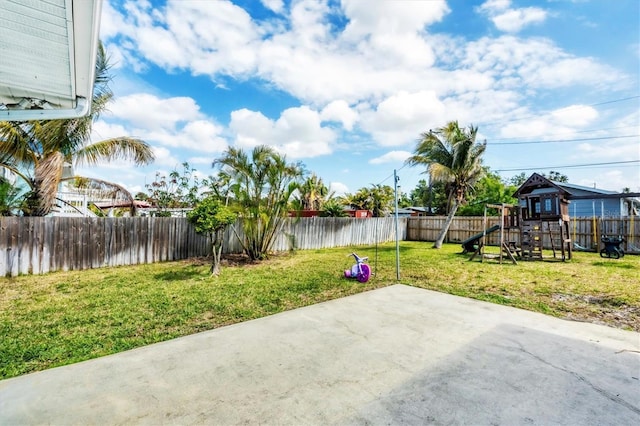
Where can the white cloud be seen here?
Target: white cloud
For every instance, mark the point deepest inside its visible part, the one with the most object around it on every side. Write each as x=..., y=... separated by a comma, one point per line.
x=387, y=17
x=392, y=31
x=399, y=119
x=613, y=180
x=511, y=20
x=150, y=112
x=111, y=21
x=383, y=49
x=200, y=135
x=102, y=130
x=164, y=157
x=391, y=157
x=338, y=188
x=565, y=71
x=532, y=64
x=171, y=122
x=273, y=5
x=206, y=37
x=608, y=150
x=564, y=121
x=200, y=160
x=533, y=128
x=340, y=111
x=575, y=115
x=297, y=133
x=218, y=38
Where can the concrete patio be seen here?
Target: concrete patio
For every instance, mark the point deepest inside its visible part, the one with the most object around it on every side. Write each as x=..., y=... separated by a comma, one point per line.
x=397, y=355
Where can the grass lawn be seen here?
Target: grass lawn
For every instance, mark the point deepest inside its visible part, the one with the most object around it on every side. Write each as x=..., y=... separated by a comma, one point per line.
x=65, y=317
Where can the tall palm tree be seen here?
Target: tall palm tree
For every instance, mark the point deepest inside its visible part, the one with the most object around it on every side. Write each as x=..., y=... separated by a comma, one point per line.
x=382, y=199
x=261, y=185
x=38, y=150
x=378, y=199
x=313, y=193
x=451, y=155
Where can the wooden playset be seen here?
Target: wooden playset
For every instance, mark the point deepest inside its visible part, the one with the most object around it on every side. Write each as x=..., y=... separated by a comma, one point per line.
x=542, y=210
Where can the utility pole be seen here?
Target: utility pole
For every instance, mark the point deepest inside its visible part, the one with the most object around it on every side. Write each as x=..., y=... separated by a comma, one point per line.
x=395, y=192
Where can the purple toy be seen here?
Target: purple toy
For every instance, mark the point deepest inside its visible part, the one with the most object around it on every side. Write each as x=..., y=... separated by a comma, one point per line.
x=360, y=270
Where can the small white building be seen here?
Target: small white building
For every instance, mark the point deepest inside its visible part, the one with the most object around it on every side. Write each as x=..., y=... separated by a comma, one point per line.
x=7, y=175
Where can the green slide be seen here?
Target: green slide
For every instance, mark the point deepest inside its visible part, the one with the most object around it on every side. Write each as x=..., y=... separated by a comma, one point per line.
x=470, y=244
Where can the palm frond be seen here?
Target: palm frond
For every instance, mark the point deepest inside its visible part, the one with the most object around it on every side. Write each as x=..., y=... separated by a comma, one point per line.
x=122, y=148
x=99, y=188
x=15, y=144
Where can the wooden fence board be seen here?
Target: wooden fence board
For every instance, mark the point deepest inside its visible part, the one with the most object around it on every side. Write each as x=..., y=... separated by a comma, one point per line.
x=24, y=247
x=46, y=253
x=12, y=250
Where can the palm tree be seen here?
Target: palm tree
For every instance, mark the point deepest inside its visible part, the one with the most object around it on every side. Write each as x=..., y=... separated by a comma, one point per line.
x=38, y=150
x=382, y=199
x=378, y=199
x=312, y=193
x=333, y=208
x=261, y=185
x=451, y=155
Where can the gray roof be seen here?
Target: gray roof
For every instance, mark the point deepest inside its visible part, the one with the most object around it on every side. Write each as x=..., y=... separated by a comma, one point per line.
x=582, y=190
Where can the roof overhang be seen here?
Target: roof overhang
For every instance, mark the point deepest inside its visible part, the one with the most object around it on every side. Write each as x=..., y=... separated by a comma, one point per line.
x=48, y=50
x=537, y=181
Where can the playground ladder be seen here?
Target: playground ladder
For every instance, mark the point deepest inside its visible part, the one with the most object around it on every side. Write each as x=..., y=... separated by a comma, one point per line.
x=531, y=240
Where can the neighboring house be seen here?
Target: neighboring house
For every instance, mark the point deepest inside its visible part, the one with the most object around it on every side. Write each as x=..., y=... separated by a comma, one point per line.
x=153, y=211
x=109, y=208
x=8, y=175
x=599, y=202
x=70, y=203
x=75, y=202
x=359, y=214
x=420, y=211
x=305, y=213
x=409, y=211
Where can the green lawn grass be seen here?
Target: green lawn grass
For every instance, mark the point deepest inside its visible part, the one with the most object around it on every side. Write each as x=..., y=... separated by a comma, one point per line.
x=65, y=317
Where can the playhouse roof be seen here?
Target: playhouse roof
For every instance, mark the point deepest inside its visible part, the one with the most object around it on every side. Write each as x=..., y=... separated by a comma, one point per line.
x=539, y=184
x=537, y=181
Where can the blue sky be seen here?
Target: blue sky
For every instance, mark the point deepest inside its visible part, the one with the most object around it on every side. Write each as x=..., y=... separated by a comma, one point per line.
x=346, y=87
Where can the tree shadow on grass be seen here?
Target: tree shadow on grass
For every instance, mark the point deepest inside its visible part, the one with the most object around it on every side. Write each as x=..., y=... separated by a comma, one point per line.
x=614, y=264
x=181, y=274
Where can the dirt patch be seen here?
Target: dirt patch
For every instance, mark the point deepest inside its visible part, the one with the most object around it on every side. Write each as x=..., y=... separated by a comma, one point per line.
x=227, y=260
x=599, y=309
x=236, y=260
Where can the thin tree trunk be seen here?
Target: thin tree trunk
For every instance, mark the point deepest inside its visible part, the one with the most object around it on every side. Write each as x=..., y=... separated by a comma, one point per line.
x=447, y=224
x=216, y=251
x=215, y=266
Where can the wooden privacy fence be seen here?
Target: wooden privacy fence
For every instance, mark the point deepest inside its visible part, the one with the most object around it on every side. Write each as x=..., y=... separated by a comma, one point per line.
x=325, y=232
x=585, y=233
x=36, y=245
x=32, y=245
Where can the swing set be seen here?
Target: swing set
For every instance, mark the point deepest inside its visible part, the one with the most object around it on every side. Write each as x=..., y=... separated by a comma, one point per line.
x=509, y=221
